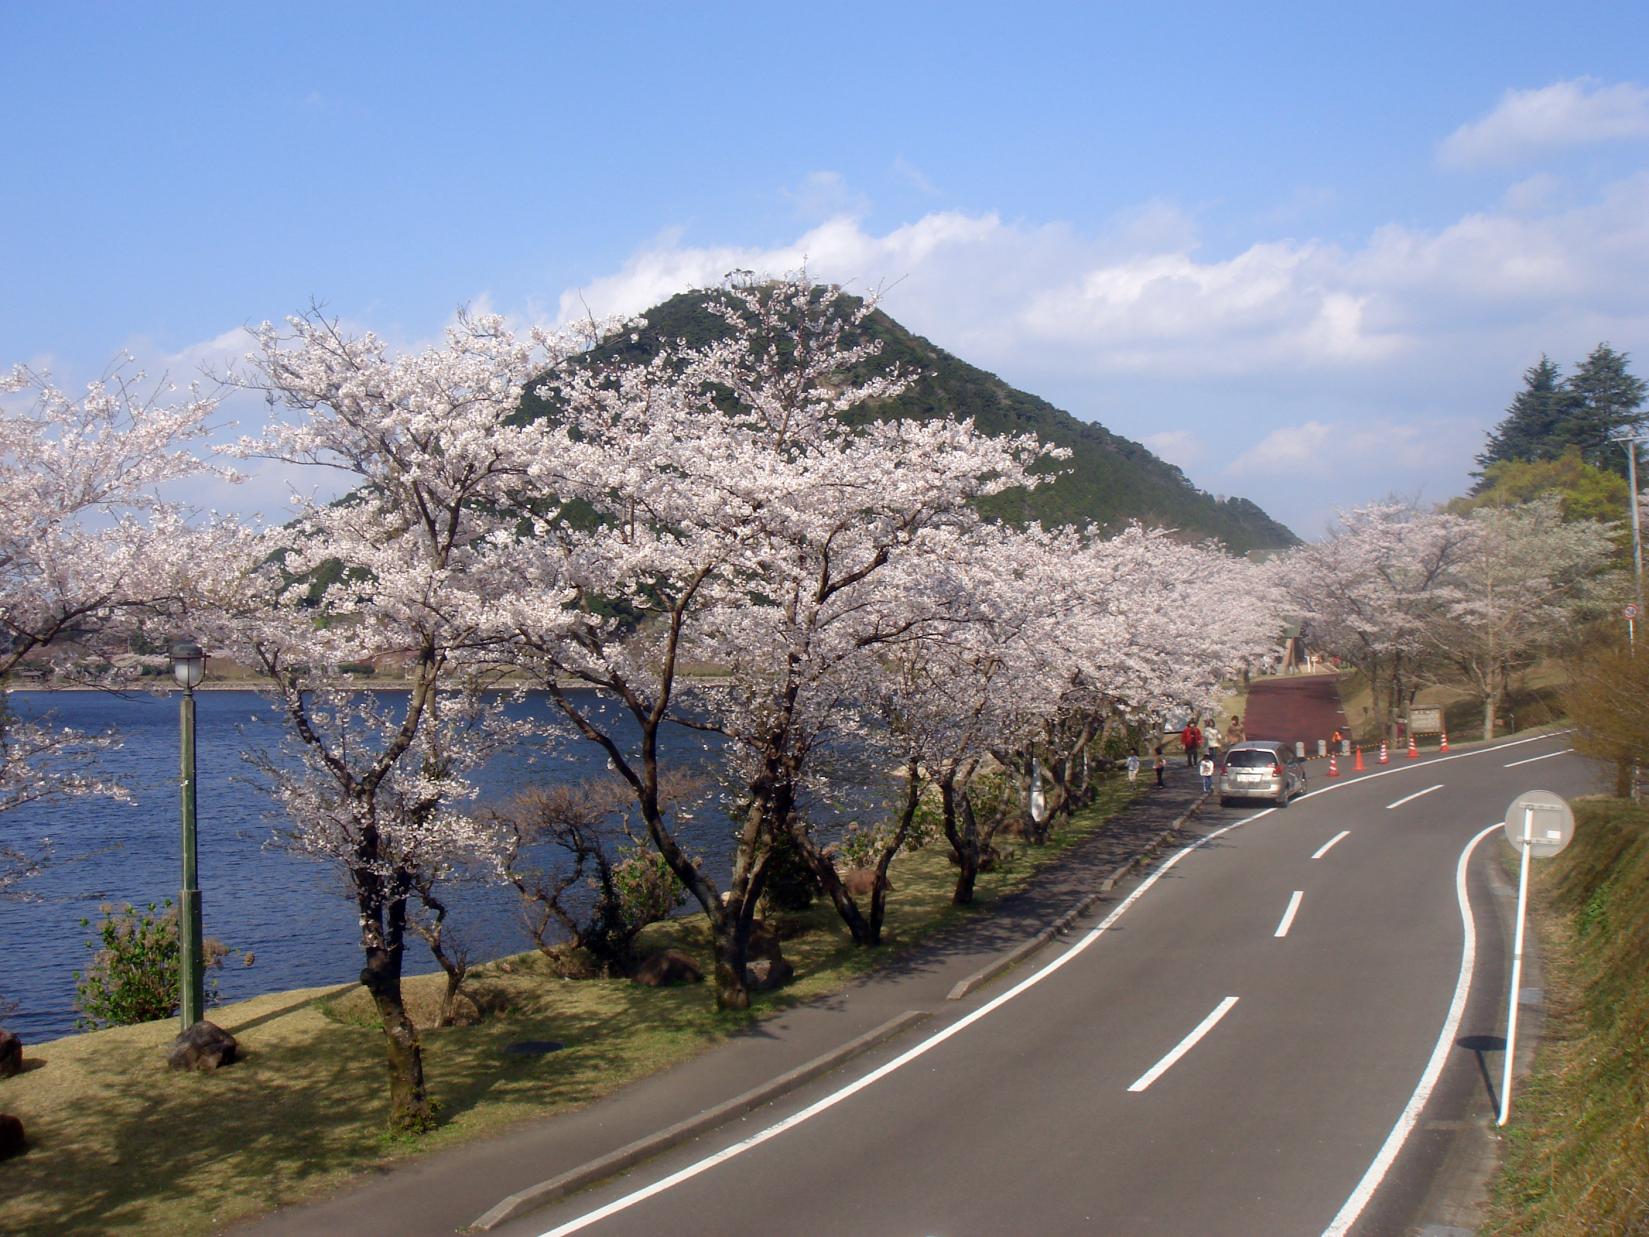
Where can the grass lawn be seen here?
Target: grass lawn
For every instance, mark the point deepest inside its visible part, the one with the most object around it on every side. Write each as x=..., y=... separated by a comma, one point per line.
x=119, y=1143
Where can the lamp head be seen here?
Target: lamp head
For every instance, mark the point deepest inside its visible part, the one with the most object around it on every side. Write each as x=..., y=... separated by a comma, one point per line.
x=188, y=663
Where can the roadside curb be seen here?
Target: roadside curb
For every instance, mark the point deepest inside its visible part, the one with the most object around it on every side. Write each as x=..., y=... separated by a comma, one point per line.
x=1063, y=924
x=546, y=1192
x=645, y=1148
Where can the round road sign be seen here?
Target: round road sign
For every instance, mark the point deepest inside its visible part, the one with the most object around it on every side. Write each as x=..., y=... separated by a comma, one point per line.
x=1630, y=610
x=1547, y=818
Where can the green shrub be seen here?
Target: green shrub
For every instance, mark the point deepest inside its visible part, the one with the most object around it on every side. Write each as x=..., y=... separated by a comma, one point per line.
x=791, y=885
x=134, y=971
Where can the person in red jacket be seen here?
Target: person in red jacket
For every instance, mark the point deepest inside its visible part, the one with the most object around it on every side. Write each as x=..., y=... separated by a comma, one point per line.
x=1191, y=738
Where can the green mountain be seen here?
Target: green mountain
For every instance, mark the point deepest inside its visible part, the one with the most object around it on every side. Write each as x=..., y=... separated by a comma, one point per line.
x=1107, y=480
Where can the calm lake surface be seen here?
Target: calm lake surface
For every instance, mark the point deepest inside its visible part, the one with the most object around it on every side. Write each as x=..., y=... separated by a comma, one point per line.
x=292, y=914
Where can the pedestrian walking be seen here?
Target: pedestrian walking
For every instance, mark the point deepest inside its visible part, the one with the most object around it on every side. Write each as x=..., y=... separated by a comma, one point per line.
x=1133, y=766
x=1234, y=733
x=1212, y=741
x=1206, y=769
x=1191, y=739
x=1159, y=762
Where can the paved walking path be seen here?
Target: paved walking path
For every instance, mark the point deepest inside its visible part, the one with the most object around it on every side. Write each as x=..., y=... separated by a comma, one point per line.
x=1297, y=708
x=449, y=1190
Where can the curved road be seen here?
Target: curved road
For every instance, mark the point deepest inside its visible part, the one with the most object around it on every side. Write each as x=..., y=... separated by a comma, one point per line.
x=1234, y=1049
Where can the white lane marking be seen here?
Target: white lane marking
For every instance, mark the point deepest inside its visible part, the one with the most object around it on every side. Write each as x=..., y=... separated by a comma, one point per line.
x=1436, y=760
x=876, y=1075
x=1410, y=1115
x=1532, y=759
x=1184, y=1046
x=829, y=1101
x=1288, y=915
x=1426, y=791
x=1329, y=845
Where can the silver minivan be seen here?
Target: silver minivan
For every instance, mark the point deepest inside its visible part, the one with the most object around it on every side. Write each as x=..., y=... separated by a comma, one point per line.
x=1261, y=769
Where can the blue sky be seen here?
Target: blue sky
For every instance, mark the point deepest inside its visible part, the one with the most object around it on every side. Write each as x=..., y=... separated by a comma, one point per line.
x=1304, y=252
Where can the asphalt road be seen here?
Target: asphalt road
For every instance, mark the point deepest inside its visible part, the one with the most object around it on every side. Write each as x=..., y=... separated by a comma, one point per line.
x=1298, y=708
x=1228, y=1052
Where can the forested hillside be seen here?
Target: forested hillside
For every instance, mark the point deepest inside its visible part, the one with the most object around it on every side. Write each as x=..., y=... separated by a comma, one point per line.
x=1108, y=480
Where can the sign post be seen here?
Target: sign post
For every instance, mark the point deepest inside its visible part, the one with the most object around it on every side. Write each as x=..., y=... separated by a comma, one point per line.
x=1539, y=824
x=1630, y=612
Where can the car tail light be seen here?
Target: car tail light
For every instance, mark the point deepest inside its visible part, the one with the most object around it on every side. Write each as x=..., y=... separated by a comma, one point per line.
x=1276, y=770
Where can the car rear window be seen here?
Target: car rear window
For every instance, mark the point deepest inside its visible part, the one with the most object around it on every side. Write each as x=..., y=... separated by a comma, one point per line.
x=1250, y=759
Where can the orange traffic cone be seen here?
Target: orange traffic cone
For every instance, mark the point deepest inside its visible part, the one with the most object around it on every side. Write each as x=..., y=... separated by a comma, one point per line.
x=1414, y=750
x=1445, y=746
x=1358, y=766
x=1385, y=756
x=1333, y=765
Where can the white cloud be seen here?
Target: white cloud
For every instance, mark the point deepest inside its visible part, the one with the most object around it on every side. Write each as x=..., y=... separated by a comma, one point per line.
x=913, y=176
x=826, y=195
x=1534, y=193
x=1181, y=448
x=1528, y=123
x=1316, y=373
x=1285, y=450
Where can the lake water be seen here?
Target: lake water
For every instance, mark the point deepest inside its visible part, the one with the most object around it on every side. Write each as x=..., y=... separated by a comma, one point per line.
x=292, y=914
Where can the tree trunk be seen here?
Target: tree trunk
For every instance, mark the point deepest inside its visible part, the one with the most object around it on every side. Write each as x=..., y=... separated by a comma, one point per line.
x=962, y=831
x=384, y=942
x=454, y=964
x=732, y=952
x=1491, y=701
x=825, y=870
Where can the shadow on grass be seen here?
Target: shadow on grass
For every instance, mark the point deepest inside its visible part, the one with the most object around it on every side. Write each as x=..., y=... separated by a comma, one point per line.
x=121, y=1144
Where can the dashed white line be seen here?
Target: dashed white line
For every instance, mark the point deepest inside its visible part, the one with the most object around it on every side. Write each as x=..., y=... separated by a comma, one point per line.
x=1325, y=847
x=1416, y=795
x=1532, y=759
x=1354, y=1205
x=1288, y=915
x=1184, y=1046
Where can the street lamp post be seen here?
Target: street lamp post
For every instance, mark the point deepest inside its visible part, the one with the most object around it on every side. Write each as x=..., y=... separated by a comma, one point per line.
x=1631, y=445
x=189, y=665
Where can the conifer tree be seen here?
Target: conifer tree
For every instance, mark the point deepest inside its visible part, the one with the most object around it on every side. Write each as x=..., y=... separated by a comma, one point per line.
x=1532, y=428
x=1604, y=398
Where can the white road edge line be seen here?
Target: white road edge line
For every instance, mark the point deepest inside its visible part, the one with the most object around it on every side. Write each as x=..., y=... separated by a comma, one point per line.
x=1426, y=791
x=1410, y=1116
x=1329, y=845
x=876, y=1075
x=1184, y=1046
x=933, y=1041
x=1288, y=915
x=1532, y=759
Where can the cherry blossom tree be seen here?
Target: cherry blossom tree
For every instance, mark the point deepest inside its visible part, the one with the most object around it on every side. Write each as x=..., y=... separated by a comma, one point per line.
x=399, y=574
x=1130, y=625
x=982, y=679
x=1521, y=581
x=1373, y=589
x=744, y=520
x=82, y=526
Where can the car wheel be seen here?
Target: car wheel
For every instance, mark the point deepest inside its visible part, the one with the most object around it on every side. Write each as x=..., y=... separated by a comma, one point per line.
x=1282, y=797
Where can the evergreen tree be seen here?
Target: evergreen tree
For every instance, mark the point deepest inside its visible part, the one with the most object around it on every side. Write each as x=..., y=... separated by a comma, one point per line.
x=1605, y=398
x=1532, y=427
